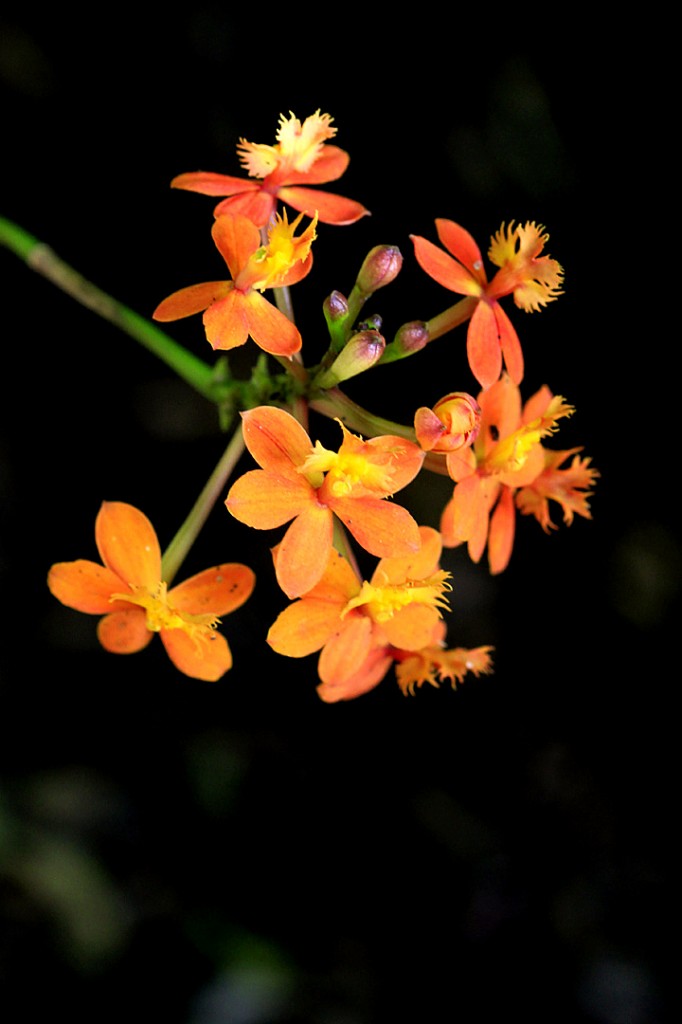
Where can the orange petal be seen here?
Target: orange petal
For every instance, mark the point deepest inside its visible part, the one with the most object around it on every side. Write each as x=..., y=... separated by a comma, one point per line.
x=124, y=632
x=461, y=244
x=406, y=458
x=511, y=346
x=305, y=627
x=85, y=586
x=208, y=659
x=346, y=651
x=226, y=321
x=216, y=591
x=271, y=330
x=501, y=533
x=128, y=545
x=339, y=581
x=370, y=674
x=411, y=628
x=237, y=239
x=378, y=526
x=276, y=440
x=188, y=301
x=330, y=208
x=258, y=206
x=461, y=464
x=304, y=551
x=443, y=268
x=265, y=501
x=467, y=506
x=330, y=165
x=483, y=346
x=415, y=566
x=210, y=184
x=501, y=409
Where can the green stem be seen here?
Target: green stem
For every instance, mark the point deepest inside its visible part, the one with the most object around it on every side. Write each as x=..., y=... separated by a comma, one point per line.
x=43, y=260
x=336, y=405
x=294, y=365
x=177, y=550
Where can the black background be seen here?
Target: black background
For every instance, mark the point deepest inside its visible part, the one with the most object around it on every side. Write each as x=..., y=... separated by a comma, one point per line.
x=239, y=852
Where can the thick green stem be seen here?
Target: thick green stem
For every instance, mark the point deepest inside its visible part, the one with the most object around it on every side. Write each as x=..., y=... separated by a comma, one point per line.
x=177, y=550
x=43, y=260
x=336, y=405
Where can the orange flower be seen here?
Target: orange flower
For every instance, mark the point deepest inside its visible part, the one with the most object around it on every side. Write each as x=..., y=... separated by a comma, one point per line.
x=128, y=591
x=533, y=280
x=236, y=309
x=506, y=456
x=300, y=157
x=362, y=627
x=310, y=485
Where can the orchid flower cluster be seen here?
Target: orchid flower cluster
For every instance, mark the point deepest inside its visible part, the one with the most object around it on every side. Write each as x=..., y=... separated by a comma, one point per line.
x=319, y=506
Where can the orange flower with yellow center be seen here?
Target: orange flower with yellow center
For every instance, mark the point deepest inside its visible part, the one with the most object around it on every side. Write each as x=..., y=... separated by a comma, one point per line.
x=532, y=279
x=356, y=625
x=300, y=157
x=311, y=484
x=507, y=457
x=127, y=590
x=235, y=309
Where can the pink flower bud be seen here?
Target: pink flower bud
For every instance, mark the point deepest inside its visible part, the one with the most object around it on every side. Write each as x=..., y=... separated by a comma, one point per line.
x=335, y=307
x=411, y=337
x=382, y=265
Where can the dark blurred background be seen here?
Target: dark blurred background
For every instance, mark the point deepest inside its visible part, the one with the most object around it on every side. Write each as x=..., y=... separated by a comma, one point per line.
x=240, y=852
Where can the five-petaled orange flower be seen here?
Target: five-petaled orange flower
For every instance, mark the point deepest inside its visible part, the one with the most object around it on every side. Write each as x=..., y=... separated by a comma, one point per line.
x=128, y=591
x=361, y=628
x=310, y=485
x=533, y=280
x=508, y=468
x=299, y=158
x=236, y=309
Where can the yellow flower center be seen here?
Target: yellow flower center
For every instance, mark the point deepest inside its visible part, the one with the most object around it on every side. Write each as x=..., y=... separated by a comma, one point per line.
x=382, y=603
x=510, y=454
x=160, y=613
x=271, y=262
x=298, y=146
x=345, y=470
x=535, y=280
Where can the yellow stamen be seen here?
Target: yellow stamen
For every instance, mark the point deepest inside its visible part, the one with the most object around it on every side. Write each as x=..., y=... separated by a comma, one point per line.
x=271, y=262
x=383, y=602
x=162, y=615
x=345, y=470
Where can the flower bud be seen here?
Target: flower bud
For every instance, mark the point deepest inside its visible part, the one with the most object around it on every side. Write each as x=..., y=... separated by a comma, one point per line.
x=453, y=423
x=382, y=265
x=411, y=337
x=335, y=308
x=361, y=353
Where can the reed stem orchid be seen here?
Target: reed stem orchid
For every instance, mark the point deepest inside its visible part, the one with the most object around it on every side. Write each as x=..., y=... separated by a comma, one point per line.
x=127, y=590
x=310, y=484
x=506, y=456
x=532, y=279
x=301, y=157
x=234, y=310
x=362, y=627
